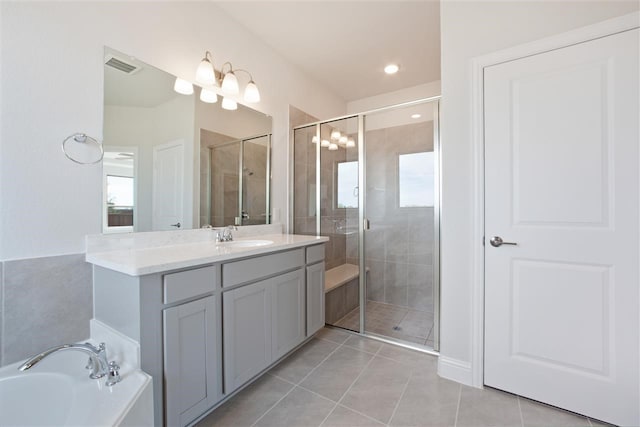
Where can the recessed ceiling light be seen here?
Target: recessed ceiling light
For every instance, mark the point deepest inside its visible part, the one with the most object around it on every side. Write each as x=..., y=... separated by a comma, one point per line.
x=391, y=69
x=415, y=116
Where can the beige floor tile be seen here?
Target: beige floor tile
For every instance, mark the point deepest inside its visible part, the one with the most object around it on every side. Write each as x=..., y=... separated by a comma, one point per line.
x=427, y=401
x=536, y=414
x=378, y=390
x=334, y=376
x=250, y=404
x=332, y=334
x=364, y=344
x=412, y=358
x=487, y=408
x=297, y=366
x=344, y=417
x=300, y=408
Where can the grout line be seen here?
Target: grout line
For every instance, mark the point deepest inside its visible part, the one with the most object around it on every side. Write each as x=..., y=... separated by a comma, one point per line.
x=295, y=385
x=273, y=406
x=361, y=413
x=404, y=390
x=520, y=410
x=328, y=415
x=455, y=424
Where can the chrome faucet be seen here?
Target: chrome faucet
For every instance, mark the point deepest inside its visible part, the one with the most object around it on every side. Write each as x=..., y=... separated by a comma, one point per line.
x=226, y=234
x=97, y=361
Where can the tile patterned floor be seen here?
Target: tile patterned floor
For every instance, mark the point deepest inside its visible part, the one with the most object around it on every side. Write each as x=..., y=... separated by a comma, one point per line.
x=341, y=379
x=393, y=321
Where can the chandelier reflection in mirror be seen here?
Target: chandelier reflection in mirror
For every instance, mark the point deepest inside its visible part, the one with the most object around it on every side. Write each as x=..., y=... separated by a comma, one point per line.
x=224, y=81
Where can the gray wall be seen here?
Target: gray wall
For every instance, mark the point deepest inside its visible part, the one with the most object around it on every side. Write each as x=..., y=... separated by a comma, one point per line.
x=43, y=302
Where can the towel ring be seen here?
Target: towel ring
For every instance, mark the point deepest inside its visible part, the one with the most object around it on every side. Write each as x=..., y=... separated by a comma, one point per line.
x=82, y=138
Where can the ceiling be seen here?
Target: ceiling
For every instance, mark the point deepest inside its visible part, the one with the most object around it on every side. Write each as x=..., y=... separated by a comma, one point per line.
x=345, y=45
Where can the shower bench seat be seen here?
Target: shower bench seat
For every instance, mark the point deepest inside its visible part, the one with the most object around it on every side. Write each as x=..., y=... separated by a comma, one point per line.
x=341, y=288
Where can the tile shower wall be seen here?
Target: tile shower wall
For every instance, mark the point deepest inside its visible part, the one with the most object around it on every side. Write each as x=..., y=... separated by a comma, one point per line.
x=399, y=247
x=210, y=139
x=43, y=302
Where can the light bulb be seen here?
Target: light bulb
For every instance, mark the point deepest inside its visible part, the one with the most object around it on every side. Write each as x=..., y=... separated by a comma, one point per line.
x=230, y=84
x=208, y=96
x=343, y=140
x=335, y=134
x=314, y=140
x=333, y=146
x=182, y=86
x=415, y=116
x=229, y=104
x=205, y=73
x=325, y=143
x=251, y=93
x=351, y=143
x=391, y=69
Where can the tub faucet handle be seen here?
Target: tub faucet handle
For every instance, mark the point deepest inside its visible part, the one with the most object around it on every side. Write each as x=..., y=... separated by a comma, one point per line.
x=113, y=377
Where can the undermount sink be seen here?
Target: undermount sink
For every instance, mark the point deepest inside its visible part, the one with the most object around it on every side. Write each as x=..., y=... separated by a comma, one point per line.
x=247, y=243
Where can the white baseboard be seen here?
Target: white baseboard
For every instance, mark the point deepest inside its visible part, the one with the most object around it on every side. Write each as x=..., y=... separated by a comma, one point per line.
x=455, y=370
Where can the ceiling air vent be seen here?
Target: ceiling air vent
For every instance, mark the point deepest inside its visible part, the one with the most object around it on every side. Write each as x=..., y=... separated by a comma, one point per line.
x=119, y=64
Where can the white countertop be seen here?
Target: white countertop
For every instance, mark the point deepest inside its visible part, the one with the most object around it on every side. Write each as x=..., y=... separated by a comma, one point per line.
x=141, y=261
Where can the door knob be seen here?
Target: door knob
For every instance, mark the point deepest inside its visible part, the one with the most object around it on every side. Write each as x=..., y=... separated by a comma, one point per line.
x=496, y=241
x=177, y=225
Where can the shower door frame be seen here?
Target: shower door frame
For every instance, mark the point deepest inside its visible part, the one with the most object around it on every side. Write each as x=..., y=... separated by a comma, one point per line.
x=363, y=222
x=241, y=175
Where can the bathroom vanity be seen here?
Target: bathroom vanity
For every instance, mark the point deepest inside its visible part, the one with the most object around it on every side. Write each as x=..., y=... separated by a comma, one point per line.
x=210, y=317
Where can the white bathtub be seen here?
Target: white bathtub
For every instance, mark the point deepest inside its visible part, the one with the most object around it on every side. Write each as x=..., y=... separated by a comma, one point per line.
x=58, y=392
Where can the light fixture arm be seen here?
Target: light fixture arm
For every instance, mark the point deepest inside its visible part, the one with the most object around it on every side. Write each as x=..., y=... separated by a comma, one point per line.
x=208, y=57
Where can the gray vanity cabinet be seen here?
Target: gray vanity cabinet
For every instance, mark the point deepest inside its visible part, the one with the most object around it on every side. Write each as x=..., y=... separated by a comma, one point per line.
x=246, y=332
x=287, y=319
x=262, y=322
x=315, y=298
x=190, y=360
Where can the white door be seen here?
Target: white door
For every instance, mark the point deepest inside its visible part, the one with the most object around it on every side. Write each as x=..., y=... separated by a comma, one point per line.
x=561, y=181
x=168, y=188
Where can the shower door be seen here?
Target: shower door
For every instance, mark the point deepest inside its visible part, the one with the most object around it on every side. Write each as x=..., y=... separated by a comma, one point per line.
x=240, y=174
x=401, y=211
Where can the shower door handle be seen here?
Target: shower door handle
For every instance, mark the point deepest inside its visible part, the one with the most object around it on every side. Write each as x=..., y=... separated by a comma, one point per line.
x=177, y=225
x=365, y=224
x=496, y=241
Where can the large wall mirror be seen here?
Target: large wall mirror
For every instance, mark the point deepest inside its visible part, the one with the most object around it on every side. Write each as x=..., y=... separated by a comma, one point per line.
x=173, y=161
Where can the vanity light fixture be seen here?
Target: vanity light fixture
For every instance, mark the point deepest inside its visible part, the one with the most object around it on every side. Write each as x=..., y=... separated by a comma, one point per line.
x=208, y=96
x=325, y=143
x=229, y=104
x=351, y=143
x=314, y=140
x=343, y=140
x=230, y=84
x=335, y=134
x=205, y=74
x=333, y=146
x=391, y=69
x=183, y=87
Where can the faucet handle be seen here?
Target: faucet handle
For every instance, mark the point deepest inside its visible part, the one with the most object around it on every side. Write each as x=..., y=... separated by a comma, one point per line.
x=113, y=377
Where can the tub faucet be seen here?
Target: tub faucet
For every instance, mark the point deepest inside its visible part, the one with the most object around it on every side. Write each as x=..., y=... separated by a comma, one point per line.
x=98, y=363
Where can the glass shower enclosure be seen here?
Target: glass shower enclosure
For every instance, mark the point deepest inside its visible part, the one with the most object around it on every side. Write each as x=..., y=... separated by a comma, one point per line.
x=238, y=181
x=370, y=182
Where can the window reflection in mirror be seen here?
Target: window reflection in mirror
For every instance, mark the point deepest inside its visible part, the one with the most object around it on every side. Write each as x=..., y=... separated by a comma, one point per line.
x=415, y=179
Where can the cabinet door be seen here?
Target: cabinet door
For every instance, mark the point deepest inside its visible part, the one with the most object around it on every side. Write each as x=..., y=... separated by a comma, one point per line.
x=246, y=333
x=287, y=295
x=191, y=383
x=315, y=298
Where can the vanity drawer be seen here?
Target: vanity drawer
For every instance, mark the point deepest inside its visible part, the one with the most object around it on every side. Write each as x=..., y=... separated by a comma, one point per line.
x=249, y=270
x=315, y=254
x=188, y=284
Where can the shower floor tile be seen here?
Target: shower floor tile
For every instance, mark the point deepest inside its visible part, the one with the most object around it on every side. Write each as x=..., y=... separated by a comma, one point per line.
x=393, y=321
